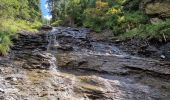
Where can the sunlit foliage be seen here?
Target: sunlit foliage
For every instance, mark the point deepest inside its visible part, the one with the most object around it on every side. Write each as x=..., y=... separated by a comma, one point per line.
x=16, y=15
x=123, y=17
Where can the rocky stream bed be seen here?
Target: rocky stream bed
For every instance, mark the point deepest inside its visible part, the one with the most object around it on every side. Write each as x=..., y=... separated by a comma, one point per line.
x=67, y=64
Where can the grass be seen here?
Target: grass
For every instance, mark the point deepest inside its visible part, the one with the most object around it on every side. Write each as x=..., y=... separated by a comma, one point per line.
x=9, y=28
x=5, y=43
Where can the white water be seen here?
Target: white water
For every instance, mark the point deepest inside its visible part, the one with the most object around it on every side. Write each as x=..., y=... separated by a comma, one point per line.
x=52, y=40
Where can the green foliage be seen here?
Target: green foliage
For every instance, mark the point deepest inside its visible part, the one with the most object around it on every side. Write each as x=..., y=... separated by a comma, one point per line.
x=105, y=15
x=69, y=9
x=17, y=15
x=149, y=31
x=132, y=5
x=135, y=17
x=92, y=21
x=123, y=17
x=56, y=23
x=34, y=8
x=128, y=21
x=5, y=43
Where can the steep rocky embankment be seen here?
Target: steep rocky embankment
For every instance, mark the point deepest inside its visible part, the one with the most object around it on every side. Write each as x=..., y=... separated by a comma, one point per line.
x=68, y=64
x=157, y=10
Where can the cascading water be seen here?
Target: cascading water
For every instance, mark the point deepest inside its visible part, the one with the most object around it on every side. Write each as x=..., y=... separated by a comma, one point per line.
x=52, y=47
x=89, y=70
x=52, y=40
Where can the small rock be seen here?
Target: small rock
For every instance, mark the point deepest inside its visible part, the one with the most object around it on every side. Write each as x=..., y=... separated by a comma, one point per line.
x=155, y=20
x=11, y=78
x=66, y=48
x=46, y=27
x=2, y=90
x=163, y=56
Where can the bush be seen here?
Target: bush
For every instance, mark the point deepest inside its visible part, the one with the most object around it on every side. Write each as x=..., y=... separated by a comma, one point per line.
x=149, y=31
x=94, y=19
x=9, y=28
x=56, y=23
x=129, y=21
x=5, y=43
x=102, y=16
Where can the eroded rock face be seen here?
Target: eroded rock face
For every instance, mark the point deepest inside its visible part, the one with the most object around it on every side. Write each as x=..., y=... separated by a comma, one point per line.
x=67, y=64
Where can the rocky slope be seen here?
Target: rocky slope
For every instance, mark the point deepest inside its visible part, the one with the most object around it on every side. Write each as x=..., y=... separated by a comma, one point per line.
x=68, y=64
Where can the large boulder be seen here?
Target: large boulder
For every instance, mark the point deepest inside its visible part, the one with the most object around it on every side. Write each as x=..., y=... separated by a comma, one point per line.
x=158, y=8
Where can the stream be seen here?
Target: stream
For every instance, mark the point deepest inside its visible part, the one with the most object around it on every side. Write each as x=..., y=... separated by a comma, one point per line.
x=67, y=64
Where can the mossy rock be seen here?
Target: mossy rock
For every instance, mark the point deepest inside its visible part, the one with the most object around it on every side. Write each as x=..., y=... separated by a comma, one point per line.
x=158, y=8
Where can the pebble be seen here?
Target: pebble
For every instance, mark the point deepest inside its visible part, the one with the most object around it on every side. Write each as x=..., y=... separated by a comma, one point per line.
x=163, y=56
x=2, y=90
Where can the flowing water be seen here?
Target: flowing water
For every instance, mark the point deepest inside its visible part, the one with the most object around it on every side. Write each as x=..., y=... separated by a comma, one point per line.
x=66, y=64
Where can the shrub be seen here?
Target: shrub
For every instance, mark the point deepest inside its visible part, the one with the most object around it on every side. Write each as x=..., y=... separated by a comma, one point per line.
x=149, y=31
x=56, y=23
x=5, y=43
x=129, y=21
x=9, y=27
x=94, y=19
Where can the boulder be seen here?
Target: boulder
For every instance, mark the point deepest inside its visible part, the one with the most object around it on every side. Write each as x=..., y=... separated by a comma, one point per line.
x=158, y=8
x=46, y=27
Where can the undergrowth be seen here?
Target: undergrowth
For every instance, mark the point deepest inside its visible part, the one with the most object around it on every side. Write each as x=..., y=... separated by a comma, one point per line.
x=9, y=28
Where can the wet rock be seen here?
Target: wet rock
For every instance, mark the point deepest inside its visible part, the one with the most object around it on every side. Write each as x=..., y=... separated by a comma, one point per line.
x=36, y=61
x=106, y=35
x=70, y=61
x=163, y=56
x=46, y=27
x=151, y=49
x=148, y=51
x=166, y=50
x=88, y=70
x=65, y=48
x=11, y=78
x=30, y=42
x=2, y=90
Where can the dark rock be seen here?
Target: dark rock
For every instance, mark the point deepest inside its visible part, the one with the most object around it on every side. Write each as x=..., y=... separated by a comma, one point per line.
x=36, y=61
x=46, y=27
x=149, y=50
x=2, y=90
x=166, y=50
x=65, y=48
x=30, y=42
x=132, y=4
x=90, y=70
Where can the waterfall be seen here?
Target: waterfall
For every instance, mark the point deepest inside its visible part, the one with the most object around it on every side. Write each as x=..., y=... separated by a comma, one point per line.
x=52, y=47
x=52, y=40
